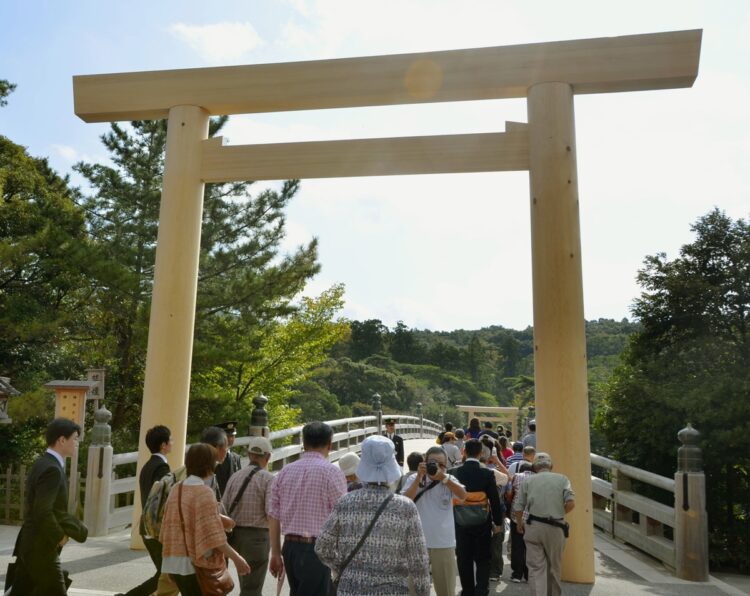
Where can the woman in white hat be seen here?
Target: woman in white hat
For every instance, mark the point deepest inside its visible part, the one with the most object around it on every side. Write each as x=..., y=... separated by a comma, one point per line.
x=348, y=464
x=394, y=549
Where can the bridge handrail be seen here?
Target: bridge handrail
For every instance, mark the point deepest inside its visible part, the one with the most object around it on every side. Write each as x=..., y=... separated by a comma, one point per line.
x=636, y=519
x=345, y=440
x=661, y=482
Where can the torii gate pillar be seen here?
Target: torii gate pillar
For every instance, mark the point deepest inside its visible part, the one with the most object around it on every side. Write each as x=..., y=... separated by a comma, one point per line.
x=562, y=409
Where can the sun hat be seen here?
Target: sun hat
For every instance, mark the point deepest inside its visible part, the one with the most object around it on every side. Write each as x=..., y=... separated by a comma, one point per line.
x=348, y=463
x=378, y=462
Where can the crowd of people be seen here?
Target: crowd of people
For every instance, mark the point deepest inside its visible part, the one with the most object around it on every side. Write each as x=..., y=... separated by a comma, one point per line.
x=360, y=527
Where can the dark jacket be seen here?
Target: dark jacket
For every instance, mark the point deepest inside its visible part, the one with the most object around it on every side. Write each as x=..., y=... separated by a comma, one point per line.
x=45, y=513
x=398, y=442
x=153, y=470
x=476, y=478
x=231, y=464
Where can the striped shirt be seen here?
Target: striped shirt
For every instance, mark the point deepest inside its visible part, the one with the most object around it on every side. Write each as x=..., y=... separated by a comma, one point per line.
x=252, y=509
x=304, y=493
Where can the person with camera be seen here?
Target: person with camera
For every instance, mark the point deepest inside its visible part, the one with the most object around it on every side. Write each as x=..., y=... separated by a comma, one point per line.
x=433, y=490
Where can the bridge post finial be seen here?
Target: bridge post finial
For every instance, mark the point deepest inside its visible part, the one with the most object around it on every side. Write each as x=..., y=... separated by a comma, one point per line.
x=691, y=519
x=377, y=408
x=259, y=418
x=99, y=475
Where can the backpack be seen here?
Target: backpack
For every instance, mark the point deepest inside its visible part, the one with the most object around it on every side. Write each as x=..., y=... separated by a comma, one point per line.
x=153, y=510
x=474, y=510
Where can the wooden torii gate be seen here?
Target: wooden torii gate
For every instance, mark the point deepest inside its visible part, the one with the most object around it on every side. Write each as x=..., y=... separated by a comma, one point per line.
x=547, y=74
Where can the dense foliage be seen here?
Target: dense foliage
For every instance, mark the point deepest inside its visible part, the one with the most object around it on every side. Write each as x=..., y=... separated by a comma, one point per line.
x=76, y=275
x=690, y=362
x=443, y=369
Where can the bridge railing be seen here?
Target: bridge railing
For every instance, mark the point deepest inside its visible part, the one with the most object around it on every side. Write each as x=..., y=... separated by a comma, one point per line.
x=104, y=513
x=634, y=518
x=348, y=434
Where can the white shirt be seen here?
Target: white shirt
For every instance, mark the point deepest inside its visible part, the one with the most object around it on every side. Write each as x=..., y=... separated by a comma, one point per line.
x=58, y=457
x=436, y=513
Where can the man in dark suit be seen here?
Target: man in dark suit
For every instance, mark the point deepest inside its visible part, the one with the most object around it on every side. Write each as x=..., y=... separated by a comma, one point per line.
x=159, y=443
x=473, y=543
x=47, y=525
x=232, y=462
x=398, y=442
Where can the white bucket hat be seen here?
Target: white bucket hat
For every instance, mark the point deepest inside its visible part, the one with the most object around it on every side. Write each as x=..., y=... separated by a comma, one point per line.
x=378, y=463
x=348, y=463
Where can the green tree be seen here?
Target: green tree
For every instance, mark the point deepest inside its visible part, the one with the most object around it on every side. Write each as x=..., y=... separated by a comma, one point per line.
x=6, y=89
x=273, y=358
x=45, y=254
x=404, y=346
x=690, y=362
x=368, y=338
x=245, y=284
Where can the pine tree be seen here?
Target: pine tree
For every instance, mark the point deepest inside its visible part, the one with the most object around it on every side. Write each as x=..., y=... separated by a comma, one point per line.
x=245, y=283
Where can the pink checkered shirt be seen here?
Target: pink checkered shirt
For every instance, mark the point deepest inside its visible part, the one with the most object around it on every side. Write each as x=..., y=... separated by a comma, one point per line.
x=304, y=493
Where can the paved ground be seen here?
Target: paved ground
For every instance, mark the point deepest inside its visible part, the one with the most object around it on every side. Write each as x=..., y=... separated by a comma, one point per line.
x=104, y=566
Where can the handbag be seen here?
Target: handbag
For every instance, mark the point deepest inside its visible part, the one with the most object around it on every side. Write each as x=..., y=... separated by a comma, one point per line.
x=212, y=582
x=355, y=550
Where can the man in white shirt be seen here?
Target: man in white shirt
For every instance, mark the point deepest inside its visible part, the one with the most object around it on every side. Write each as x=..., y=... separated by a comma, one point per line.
x=433, y=491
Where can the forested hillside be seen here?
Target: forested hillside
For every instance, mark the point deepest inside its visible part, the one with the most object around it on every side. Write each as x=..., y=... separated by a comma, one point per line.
x=442, y=369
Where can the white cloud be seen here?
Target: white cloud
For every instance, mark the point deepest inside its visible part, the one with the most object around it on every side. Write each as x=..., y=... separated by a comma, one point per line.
x=68, y=153
x=219, y=42
x=71, y=155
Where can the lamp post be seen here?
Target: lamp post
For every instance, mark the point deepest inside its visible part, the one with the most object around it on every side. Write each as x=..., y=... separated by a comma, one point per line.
x=421, y=420
x=378, y=409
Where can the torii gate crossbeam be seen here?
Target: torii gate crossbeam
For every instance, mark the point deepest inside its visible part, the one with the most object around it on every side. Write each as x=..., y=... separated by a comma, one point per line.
x=547, y=74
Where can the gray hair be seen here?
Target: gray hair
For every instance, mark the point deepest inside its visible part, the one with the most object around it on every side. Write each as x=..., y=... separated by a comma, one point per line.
x=213, y=435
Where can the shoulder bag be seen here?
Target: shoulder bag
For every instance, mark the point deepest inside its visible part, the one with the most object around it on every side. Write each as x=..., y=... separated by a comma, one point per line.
x=355, y=550
x=213, y=582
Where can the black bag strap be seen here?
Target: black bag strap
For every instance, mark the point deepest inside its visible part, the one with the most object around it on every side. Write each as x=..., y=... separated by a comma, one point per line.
x=365, y=535
x=430, y=487
x=242, y=490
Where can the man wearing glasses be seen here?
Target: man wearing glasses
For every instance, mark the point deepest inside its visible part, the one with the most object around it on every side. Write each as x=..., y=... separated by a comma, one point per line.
x=433, y=491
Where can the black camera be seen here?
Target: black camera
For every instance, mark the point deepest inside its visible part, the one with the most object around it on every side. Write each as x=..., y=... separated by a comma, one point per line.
x=432, y=468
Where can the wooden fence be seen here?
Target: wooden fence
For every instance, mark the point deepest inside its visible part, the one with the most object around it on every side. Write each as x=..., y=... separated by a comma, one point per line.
x=13, y=493
x=634, y=518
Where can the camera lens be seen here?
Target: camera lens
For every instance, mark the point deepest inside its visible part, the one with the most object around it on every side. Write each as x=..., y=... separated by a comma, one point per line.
x=432, y=468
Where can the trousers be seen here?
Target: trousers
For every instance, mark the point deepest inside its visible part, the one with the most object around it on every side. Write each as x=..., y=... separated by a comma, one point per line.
x=473, y=551
x=544, y=548
x=254, y=545
x=307, y=576
x=518, y=567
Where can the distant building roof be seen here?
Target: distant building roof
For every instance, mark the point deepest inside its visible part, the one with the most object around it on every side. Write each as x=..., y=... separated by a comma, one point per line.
x=71, y=384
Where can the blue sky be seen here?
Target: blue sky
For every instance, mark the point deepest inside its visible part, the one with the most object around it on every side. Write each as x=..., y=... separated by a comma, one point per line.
x=442, y=251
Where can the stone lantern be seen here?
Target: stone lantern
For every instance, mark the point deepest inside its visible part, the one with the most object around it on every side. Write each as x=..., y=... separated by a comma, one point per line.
x=6, y=391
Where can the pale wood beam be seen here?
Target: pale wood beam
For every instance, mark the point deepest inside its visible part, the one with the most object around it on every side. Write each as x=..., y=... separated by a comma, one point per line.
x=485, y=152
x=609, y=64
